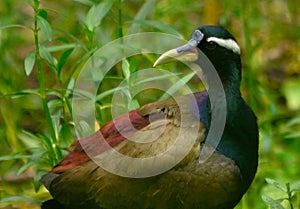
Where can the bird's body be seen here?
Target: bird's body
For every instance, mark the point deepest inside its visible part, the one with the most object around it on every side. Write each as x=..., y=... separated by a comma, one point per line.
x=189, y=185
x=217, y=183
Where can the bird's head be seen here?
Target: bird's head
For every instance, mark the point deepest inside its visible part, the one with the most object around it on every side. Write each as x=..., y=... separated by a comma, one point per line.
x=218, y=45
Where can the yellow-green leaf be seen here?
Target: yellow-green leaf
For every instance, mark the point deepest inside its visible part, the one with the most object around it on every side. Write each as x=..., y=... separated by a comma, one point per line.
x=29, y=63
x=97, y=13
x=45, y=28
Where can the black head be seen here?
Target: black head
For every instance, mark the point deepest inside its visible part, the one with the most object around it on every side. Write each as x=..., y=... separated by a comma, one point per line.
x=217, y=40
x=223, y=51
x=215, y=31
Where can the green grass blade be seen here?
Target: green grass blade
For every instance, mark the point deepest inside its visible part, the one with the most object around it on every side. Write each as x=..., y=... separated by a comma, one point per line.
x=145, y=10
x=160, y=26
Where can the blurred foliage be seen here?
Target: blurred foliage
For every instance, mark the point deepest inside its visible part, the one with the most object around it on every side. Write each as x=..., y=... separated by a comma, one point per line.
x=36, y=125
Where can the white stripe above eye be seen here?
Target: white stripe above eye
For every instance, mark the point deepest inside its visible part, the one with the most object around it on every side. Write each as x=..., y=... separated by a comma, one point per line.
x=226, y=43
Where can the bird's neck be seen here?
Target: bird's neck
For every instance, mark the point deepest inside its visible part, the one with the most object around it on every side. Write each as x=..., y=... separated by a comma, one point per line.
x=224, y=94
x=233, y=97
x=230, y=75
x=229, y=71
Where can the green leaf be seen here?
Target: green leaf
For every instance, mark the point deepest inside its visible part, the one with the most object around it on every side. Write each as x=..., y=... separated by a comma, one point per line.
x=30, y=140
x=25, y=167
x=132, y=65
x=97, y=13
x=29, y=2
x=160, y=26
x=12, y=26
x=145, y=10
x=85, y=2
x=63, y=59
x=47, y=57
x=104, y=94
x=84, y=127
x=134, y=104
x=177, y=85
x=45, y=27
x=274, y=204
x=125, y=68
x=22, y=93
x=155, y=78
x=61, y=47
x=293, y=122
x=29, y=63
x=295, y=186
x=291, y=91
x=19, y=198
x=43, y=13
x=37, y=178
x=37, y=154
x=276, y=184
x=295, y=135
x=14, y=157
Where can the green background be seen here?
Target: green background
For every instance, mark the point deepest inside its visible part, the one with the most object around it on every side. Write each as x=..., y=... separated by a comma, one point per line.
x=36, y=124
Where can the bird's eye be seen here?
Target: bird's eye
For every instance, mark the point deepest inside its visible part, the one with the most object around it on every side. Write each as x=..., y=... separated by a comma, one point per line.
x=211, y=45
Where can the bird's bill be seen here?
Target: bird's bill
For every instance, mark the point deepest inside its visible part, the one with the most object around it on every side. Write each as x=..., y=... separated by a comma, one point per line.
x=185, y=53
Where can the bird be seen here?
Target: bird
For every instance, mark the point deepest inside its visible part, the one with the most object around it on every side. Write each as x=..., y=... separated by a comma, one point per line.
x=219, y=182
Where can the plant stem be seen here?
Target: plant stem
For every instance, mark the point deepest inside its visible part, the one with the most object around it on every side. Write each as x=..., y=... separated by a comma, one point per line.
x=249, y=68
x=120, y=21
x=42, y=83
x=289, y=192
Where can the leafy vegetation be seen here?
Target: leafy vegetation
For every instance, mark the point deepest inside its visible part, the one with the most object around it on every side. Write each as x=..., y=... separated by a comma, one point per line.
x=44, y=46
